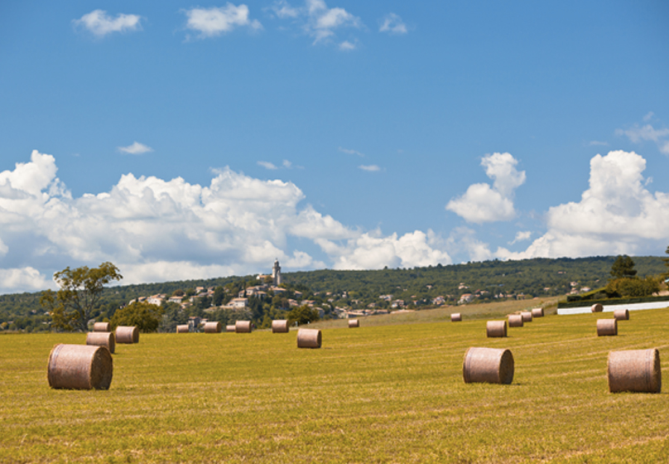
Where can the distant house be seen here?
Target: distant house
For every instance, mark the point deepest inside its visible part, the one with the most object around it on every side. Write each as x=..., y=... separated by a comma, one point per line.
x=438, y=300
x=175, y=299
x=157, y=300
x=465, y=298
x=292, y=302
x=239, y=303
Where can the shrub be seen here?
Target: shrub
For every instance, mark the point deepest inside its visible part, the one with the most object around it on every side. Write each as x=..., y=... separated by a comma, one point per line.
x=144, y=315
x=628, y=287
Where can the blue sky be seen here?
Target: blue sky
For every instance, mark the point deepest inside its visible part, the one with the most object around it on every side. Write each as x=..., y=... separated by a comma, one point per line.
x=183, y=140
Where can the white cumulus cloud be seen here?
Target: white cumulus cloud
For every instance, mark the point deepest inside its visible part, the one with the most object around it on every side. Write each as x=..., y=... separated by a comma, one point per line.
x=155, y=229
x=616, y=215
x=393, y=24
x=374, y=251
x=483, y=203
x=136, y=149
x=99, y=23
x=214, y=21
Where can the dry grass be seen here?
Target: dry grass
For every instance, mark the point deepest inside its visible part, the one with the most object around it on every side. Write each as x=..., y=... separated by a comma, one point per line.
x=389, y=393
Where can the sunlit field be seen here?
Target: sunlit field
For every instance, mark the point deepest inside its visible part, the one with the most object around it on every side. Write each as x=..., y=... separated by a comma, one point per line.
x=382, y=393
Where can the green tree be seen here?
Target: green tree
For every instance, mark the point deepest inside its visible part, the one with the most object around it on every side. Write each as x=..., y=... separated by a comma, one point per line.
x=666, y=263
x=219, y=296
x=630, y=288
x=623, y=267
x=79, y=295
x=145, y=316
x=302, y=315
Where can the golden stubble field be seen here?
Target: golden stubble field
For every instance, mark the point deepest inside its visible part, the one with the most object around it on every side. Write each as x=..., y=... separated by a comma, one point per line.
x=382, y=393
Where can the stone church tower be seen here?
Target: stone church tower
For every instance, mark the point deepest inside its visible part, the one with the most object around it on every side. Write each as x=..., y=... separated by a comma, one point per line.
x=276, y=273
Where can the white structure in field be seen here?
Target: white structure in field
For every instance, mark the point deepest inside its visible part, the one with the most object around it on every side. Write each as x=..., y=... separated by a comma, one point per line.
x=276, y=273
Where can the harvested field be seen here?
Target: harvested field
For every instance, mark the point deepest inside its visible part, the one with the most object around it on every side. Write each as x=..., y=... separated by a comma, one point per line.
x=392, y=393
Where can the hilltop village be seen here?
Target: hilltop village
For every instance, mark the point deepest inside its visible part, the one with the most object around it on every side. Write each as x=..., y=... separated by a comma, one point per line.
x=270, y=289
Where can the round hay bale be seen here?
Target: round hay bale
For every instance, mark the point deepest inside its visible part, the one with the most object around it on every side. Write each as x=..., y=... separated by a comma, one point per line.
x=456, y=317
x=538, y=312
x=635, y=371
x=527, y=316
x=309, y=338
x=102, y=327
x=80, y=367
x=182, y=329
x=621, y=315
x=243, y=327
x=212, y=327
x=106, y=339
x=230, y=328
x=280, y=326
x=127, y=334
x=596, y=308
x=515, y=320
x=496, y=329
x=488, y=365
x=353, y=323
x=607, y=327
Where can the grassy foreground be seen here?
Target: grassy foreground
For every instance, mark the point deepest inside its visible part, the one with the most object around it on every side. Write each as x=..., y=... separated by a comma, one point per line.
x=390, y=393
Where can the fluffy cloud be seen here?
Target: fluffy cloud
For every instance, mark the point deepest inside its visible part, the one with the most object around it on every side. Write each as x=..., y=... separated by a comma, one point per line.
x=483, y=203
x=100, y=24
x=373, y=251
x=155, y=229
x=318, y=21
x=616, y=215
x=211, y=22
x=27, y=279
x=393, y=24
x=136, y=149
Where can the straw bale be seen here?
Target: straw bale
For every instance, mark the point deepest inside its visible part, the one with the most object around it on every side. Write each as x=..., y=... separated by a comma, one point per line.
x=538, y=312
x=607, y=327
x=596, y=308
x=353, y=323
x=107, y=339
x=243, y=327
x=80, y=367
x=515, y=320
x=635, y=371
x=456, y=317
x=102, y=327
x=496, y=329
x=280, y=326
x=212, y=327
x=309, y=338
x=230, y=328
x=127, y=334
x=621, y=315
x=488, y=365
x=527, y=316
x=182, y=329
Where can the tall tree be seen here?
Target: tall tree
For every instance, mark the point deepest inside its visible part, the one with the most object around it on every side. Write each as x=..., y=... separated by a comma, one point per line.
x=623, y=267
x=79, y=295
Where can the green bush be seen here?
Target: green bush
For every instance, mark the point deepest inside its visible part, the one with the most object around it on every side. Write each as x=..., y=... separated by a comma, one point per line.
x=144, y=315
x=632, y=287
x=302, y=315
